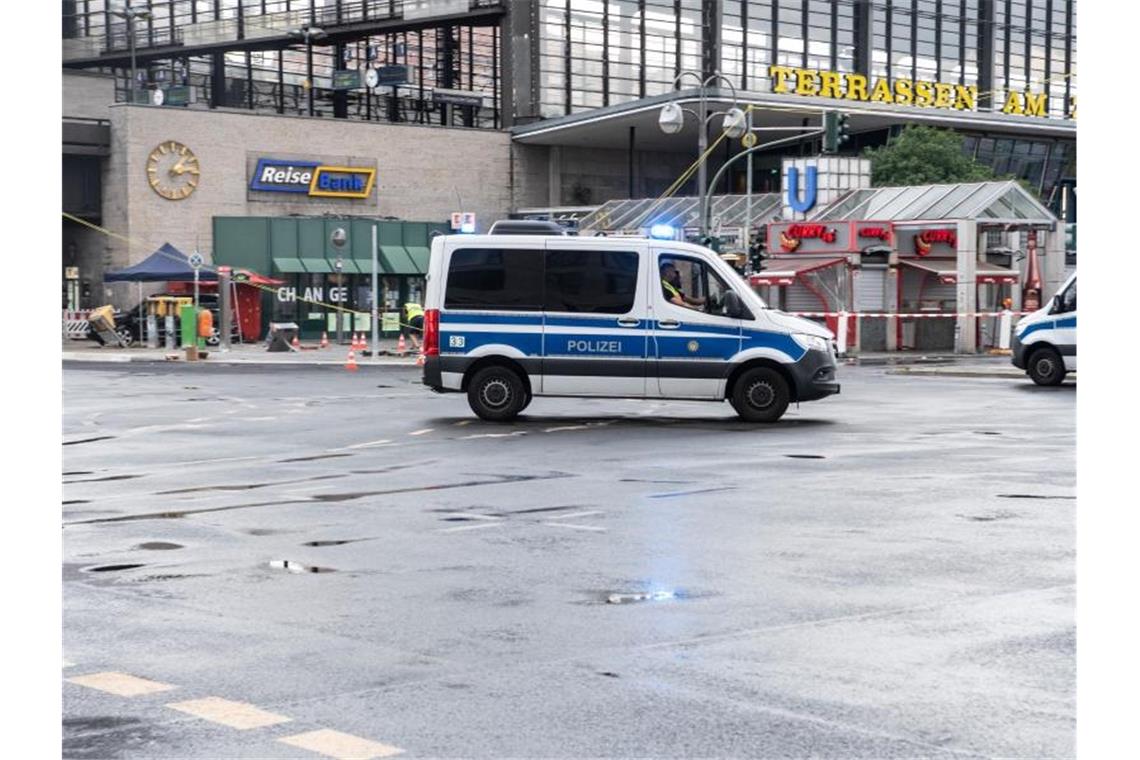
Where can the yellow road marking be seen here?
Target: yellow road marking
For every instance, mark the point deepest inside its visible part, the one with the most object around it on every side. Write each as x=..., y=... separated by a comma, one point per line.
x=233, y=714
x=340, y=746
x=120, y=684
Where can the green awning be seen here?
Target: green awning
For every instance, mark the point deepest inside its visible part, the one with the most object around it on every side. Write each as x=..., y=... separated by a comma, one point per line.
x=420, y=256
x=287, y=265
x=350, y=267
x=365, y=266
x=394, y=259
x=317, y=266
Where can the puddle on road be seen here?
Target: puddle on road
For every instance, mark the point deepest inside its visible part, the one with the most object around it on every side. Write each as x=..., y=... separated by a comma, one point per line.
x=103, y=479
x=78, y=472
x=805, y=456
x=76, y=501
x=674, y=494
x=88, y=440
x=650, y=480
x=245, y=486
x=334, y=542
x=499, y=480
x=991, y=517
x=112, y=568
x=297, y=567
x=158, y=546
x=313, y=458
x=266, y=532
x=1031, y=496
x=608, y=674
x=986, y=432
x=537, y=510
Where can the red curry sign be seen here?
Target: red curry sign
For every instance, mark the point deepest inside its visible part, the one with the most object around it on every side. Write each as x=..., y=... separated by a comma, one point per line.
x=882, y=233
x=791, y=237
x=925, y=240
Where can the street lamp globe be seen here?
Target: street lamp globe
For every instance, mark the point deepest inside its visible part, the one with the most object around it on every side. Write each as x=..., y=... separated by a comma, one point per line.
x=672, y=119
x=735, y=123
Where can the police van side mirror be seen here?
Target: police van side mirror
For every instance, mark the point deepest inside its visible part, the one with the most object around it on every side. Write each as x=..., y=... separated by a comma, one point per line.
x=733, y=306
x=1058, y=305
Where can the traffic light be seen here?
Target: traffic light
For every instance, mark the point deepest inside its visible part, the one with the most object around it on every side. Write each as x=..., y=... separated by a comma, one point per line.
x=836, y=131
x=756, y=254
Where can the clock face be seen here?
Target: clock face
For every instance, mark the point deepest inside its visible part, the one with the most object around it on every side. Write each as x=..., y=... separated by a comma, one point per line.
x=172, y=170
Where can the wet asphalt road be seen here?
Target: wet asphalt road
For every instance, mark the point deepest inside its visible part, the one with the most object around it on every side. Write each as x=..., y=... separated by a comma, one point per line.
x=886, y=573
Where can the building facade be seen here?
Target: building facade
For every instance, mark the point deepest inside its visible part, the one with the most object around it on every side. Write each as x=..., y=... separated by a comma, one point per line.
x=492, y=107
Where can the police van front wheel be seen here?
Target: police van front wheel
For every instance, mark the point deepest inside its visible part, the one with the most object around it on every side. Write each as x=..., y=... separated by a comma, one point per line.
x=1046, y=367
x=496, y=394
x=761, y=394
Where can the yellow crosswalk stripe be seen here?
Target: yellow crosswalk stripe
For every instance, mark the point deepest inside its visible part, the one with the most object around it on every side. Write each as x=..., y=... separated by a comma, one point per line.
x=120, y=684
x=233, y=714
x=340, y=746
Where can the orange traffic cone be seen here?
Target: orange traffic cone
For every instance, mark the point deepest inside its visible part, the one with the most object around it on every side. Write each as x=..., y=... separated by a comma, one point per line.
x=324, y=340
x=420, y=360
x=350, y=365
x=401, y=346
x=359, y=342
x=296, y=343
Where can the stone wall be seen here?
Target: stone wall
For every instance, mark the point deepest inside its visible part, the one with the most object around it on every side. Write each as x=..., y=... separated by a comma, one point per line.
x=422, y=172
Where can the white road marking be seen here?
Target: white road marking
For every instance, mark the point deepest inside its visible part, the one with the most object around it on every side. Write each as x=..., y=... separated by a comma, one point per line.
x=341, y=746
x=365, y=445
x=421, y=432
x=575, y=527
x=566, y=427
x=237, y=715
x=572, y=515
x=257, y=419
x=477, y=526
x=120, y=684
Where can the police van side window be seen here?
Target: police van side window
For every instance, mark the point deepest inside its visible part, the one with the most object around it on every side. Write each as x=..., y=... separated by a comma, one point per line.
x=1069, y=299
x=597, y=282
x=506, y=279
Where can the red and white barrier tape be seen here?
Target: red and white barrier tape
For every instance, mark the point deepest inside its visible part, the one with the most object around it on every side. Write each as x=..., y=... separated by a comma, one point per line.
x=902, y=315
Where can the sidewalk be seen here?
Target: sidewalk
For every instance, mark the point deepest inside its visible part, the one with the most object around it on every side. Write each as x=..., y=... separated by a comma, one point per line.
x=245, y=353
x=903, y=363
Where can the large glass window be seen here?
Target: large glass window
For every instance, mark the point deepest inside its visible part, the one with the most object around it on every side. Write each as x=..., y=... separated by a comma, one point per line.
x=495, y=278
x=603, y=282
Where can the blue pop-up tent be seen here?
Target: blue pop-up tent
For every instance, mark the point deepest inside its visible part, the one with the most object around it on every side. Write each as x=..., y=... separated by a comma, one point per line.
x=167, y=264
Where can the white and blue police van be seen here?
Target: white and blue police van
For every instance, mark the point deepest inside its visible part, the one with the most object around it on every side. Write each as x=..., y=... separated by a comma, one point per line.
x=513, y=316
x=1045, y=342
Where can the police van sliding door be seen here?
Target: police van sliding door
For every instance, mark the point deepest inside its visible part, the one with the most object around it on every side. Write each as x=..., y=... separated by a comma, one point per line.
x=692, y=344
x=595, y=331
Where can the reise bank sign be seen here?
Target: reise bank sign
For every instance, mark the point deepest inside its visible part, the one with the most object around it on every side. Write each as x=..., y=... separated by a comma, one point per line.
x=313, y=179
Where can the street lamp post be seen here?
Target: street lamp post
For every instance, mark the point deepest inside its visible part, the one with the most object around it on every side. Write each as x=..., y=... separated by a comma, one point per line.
x=130, y=13
x=308, y=33
x=672, y=121
x=338, y=265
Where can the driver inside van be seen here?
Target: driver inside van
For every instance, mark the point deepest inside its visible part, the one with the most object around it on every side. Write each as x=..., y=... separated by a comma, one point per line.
x=671, y=287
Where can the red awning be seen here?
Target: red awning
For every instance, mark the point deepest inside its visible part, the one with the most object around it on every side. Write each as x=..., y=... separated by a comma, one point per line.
x=947, y=271
x=783, y=271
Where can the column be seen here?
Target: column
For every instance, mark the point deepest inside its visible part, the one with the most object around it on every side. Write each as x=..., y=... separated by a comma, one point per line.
x=711, y=18
x=986, y=30
x=966, y=332
x=554, y=177
x=864, y=41
x=1053, y=264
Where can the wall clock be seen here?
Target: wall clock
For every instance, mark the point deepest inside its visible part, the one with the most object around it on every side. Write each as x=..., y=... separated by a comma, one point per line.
x=172, y=170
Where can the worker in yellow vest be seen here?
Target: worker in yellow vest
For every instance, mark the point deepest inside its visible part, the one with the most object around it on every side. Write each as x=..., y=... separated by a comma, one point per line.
x=414, y=318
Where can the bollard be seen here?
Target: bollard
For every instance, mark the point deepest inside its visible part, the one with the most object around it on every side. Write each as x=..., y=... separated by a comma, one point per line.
x=151, y=331
x=841, y=333
x=1006, y=327
x=169, y=319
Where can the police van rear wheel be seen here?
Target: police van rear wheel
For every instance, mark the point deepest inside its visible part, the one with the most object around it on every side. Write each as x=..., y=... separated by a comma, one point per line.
x=761, y=395
x=1046, y=367
x=497, y=394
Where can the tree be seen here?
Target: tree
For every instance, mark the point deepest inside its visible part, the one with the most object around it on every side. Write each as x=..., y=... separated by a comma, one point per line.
x=922, y=155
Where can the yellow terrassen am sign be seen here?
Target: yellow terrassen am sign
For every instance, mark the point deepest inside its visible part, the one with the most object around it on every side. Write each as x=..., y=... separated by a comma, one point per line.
x=903, y=92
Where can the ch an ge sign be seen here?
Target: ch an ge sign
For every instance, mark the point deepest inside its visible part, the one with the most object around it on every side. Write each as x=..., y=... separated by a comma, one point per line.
x=903, y=92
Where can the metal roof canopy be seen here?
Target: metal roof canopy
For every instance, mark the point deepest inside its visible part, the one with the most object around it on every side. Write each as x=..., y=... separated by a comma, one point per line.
x=681, y=211
x=1006, y=203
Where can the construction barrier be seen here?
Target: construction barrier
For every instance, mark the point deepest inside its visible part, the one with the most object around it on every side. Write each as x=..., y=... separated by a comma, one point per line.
x=75, y=324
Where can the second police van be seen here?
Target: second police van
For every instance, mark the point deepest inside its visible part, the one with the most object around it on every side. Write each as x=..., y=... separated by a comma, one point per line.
x=513, y=316
x=1045, y=342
